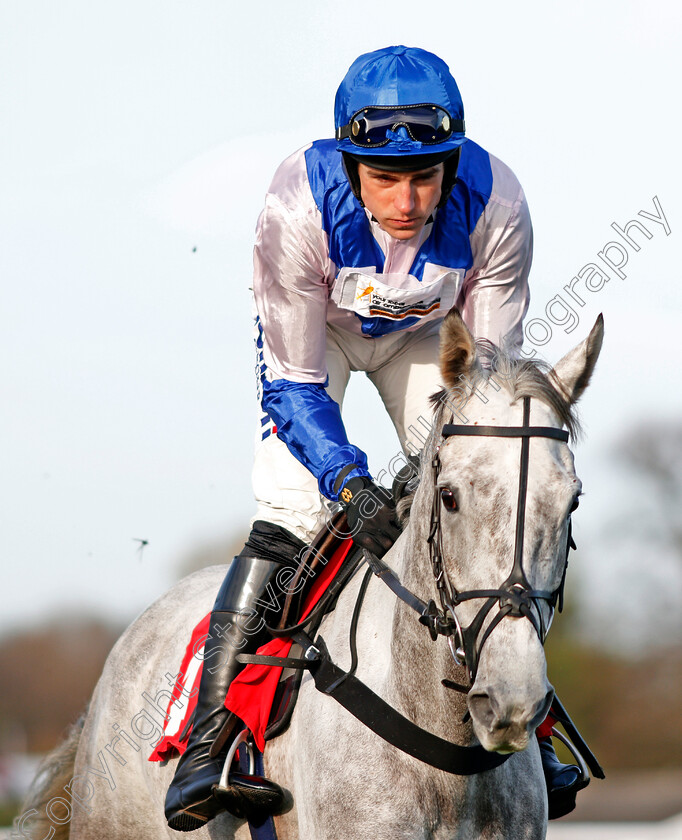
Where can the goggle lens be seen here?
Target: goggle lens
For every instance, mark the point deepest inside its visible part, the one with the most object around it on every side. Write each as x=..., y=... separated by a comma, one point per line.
x=428, y=124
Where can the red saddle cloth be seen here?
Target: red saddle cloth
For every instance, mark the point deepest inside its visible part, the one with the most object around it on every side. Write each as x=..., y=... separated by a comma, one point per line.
x=251, y=693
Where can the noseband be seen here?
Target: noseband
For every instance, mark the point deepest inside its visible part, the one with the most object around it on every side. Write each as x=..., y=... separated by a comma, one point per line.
x=516, y=597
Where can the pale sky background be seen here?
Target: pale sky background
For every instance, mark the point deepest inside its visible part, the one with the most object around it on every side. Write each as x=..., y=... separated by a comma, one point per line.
x=138, y=139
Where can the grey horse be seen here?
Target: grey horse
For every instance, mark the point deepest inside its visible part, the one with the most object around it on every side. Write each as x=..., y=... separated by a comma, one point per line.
x=343, y=781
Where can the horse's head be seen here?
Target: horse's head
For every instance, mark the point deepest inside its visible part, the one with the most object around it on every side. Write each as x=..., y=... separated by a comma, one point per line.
x=503, y=501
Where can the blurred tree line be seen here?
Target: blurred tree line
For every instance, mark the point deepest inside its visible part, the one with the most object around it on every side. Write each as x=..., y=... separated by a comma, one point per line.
x=629, y=706
x=51, y=671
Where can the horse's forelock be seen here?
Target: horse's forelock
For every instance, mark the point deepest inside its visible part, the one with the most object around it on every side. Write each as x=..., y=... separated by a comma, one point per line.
x=536, y=379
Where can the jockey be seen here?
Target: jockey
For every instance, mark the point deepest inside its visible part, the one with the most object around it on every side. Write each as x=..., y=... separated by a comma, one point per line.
x=365, y=243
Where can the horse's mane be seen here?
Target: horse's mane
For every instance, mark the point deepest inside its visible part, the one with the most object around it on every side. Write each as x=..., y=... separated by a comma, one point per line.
x=532, y=378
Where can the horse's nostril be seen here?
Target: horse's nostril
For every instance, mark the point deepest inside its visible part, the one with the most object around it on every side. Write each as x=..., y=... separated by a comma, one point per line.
x=481, y=708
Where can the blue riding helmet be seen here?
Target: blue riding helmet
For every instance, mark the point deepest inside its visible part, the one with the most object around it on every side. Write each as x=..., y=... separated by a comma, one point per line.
x=398, y=101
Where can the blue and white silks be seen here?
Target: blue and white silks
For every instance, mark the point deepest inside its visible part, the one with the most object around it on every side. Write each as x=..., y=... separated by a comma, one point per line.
x=307, y=419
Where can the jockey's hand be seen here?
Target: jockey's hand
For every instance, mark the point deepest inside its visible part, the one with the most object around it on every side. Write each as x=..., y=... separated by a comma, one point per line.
x=371, y=515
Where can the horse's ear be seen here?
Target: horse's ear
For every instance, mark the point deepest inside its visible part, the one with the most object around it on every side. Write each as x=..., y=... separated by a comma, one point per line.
x=457, y=349
x=575, y=369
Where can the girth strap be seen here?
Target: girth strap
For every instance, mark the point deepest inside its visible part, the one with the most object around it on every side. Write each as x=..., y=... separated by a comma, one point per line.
x=272, y=661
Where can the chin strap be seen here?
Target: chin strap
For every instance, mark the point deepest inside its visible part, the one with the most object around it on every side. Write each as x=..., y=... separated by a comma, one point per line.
x=451, y=166
x=351, y=169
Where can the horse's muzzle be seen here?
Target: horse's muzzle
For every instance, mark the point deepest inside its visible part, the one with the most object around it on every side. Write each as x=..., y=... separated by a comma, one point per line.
x=503, y=726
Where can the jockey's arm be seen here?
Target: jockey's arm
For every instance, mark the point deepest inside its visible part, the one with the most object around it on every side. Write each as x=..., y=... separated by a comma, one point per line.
x=495, y=295
x=309, y=422
x=291, y=273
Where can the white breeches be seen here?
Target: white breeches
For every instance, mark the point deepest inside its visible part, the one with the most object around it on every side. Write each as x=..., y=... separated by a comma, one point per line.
x=404, y=369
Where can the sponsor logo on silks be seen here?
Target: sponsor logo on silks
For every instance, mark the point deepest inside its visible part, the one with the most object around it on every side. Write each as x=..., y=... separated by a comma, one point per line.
x=367, y=291
x=397, y=310
x=401, y=298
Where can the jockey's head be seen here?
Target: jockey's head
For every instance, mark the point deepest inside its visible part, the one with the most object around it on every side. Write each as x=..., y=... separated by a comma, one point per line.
x=399, y=110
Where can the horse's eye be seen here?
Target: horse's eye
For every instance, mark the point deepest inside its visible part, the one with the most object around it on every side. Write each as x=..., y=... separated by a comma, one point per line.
x=575, y=504
x=448, y=499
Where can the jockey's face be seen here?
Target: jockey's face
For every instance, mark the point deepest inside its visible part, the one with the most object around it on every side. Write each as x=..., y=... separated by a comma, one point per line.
x=401, y=201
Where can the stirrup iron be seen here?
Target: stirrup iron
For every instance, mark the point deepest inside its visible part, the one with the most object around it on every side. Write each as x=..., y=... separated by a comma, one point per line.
x=247, y=795
x=242, y=738
x=579, y=760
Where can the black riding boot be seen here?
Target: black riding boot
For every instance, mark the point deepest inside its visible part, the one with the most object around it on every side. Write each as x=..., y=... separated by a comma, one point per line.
x=190, y=802
x=563, y=781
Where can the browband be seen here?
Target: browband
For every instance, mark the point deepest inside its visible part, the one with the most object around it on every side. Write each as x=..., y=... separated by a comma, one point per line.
x=450, y=429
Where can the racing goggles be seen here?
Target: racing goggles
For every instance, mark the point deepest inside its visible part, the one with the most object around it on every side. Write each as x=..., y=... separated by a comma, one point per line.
x=427, y=124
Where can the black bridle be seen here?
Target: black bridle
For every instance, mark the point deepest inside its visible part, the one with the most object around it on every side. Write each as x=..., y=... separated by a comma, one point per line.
x=516, y=597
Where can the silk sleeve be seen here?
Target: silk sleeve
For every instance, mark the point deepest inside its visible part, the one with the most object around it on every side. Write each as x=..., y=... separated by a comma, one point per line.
x=292, y=272
x=495, y=294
